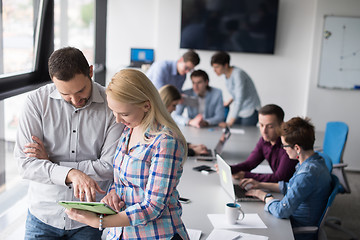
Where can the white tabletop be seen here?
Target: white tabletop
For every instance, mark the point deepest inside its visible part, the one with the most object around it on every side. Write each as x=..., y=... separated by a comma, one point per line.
x=206, y=194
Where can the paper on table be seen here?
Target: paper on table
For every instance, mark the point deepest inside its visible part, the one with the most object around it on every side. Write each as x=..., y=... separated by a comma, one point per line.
x=227, y=234
x=237, y=131
x=262, y=168
x=222, y=234
x=251, y=220
x=194, y=234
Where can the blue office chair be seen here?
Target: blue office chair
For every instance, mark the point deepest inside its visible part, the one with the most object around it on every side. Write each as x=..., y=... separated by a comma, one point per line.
x=334, y=144
x=333, y=150
x=319, y=229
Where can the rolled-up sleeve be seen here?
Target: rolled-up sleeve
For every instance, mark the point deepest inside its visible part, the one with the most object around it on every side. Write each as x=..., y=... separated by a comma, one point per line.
x=164, y=174
x=295, y=195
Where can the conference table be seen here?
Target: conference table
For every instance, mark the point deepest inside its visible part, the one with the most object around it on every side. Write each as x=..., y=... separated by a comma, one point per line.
x=206, y=194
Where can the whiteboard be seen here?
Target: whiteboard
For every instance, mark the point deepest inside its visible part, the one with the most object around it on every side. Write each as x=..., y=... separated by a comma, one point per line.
x=340, y=54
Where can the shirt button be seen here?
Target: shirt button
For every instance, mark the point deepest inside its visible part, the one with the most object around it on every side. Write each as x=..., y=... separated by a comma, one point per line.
x=72, y=151
x=288, y=187
x=284, y=204
x=74, y=131
x=76, y=111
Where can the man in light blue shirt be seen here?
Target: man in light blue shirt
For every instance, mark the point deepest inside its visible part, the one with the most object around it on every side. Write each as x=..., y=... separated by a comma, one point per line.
x=210, y=107
x=245, y=101
x=173, y=72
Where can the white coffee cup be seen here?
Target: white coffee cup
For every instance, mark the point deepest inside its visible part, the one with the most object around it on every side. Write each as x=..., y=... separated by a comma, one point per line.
x=233, y=213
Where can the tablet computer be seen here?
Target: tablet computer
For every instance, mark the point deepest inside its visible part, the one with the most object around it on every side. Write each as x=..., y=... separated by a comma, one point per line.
x=97, y=207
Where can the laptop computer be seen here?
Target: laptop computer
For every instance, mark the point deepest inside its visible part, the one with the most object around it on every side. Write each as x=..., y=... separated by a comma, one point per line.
x=140, y=56
x=226, y=180
x=218, y=148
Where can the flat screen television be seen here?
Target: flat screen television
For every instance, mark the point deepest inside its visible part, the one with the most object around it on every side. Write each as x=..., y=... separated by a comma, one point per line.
x=229, y=25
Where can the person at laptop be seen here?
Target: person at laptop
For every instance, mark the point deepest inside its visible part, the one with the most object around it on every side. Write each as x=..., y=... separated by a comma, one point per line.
x=148, y=164
x=65, y=144
x=210, y=108
x=173, y=72
x=245, y=100
x=268, y=147
x=171, y=98
x=307, y=192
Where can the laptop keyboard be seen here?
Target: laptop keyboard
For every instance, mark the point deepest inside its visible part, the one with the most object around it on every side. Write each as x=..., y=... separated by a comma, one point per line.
x=240, y=195
x=210, y=153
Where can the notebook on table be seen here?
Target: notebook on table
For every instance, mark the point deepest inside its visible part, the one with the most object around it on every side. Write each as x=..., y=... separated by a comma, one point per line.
x=226, y=180
x=218, y=148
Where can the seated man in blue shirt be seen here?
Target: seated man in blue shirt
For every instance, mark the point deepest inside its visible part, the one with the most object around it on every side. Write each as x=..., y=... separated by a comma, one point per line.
x=173, y=72
x=210, y=109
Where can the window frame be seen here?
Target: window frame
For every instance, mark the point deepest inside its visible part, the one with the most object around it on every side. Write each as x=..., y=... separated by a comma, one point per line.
x=15, y=84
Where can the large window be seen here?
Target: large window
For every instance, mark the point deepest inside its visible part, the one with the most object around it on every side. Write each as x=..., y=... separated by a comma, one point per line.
x=26, y=42
x=75, y=26
x=29, y=32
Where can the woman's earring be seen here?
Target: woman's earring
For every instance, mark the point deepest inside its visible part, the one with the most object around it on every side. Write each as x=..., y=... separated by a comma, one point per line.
x=297, y=155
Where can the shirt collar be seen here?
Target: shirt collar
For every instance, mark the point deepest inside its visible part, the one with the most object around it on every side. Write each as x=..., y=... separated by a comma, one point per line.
x=278, y=142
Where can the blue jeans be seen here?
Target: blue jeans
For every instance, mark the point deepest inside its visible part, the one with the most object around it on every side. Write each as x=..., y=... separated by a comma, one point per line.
x=249, y=121
x=37, y=230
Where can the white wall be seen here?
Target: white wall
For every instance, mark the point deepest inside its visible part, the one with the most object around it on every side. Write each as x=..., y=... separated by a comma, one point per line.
x=335, y=105
x=287, y=78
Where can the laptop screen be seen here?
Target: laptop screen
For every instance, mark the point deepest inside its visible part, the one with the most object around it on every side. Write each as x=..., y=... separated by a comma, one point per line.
x=225, y=177
x=142, y=55
x=224, y=137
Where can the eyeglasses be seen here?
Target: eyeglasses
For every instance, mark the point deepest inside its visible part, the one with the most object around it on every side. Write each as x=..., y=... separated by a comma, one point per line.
x=285, y=146
x=188, y=69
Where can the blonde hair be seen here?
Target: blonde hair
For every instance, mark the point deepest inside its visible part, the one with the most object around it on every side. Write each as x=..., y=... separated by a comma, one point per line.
x=168, y=94
x=133, y=87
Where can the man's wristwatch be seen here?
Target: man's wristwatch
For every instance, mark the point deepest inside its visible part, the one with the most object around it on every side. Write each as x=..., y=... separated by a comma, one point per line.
x=267, y=195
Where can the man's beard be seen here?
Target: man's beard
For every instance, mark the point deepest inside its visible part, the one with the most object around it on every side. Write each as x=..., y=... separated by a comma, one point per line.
x=84, y=100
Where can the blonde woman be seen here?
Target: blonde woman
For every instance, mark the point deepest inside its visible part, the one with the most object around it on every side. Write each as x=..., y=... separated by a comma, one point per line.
x=147, y=165
x=172, y=97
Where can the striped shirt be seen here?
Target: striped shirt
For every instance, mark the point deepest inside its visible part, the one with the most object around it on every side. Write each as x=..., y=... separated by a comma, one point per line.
x=145, y=178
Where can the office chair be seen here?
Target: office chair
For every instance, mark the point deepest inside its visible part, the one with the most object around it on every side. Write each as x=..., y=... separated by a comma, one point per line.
x=333, y=150
x=334, y=144
x=319, y=229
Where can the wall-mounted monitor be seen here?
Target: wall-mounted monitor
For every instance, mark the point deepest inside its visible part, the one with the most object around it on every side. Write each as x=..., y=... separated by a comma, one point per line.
x=229, y=25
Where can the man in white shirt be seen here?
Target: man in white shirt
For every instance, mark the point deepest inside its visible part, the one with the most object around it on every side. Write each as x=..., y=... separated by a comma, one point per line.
x=65, y=144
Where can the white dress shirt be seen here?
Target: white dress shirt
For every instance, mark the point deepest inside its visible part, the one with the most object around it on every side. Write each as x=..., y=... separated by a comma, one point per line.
x=83, y=139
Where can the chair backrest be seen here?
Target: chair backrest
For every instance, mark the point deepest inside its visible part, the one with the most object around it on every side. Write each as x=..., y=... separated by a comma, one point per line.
x=335, y=184
x=334, y=140
x=327, y=159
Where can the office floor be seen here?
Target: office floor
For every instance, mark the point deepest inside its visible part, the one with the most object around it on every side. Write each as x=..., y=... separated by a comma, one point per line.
x=347, y=208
